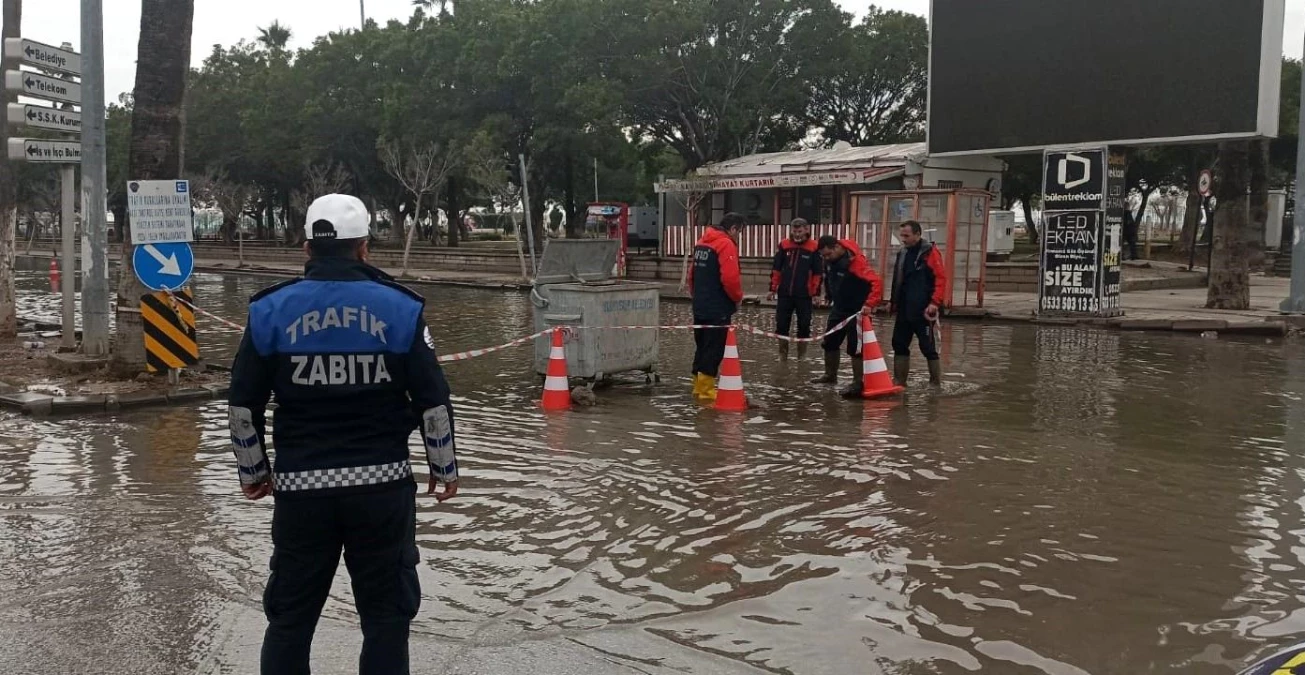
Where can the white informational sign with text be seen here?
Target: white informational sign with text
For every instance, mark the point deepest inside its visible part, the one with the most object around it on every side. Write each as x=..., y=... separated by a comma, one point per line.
x=159, y=211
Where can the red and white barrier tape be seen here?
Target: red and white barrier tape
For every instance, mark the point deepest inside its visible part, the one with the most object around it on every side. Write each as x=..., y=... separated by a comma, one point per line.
x=569, y=331
x=463, y=356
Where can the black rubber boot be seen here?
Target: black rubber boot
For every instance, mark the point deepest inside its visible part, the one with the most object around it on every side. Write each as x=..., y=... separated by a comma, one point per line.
x=857, y=386
x=831, y=369
x=935, y=372
x=901, y=370
x=783, y=350
x=802, y=351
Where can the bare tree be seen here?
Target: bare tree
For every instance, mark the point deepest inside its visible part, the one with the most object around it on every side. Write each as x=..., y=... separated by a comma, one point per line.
x=320, y=179
x=488, y=167
x=421, y=170
x=696, y=188
x=214, y=189
x=42, y=196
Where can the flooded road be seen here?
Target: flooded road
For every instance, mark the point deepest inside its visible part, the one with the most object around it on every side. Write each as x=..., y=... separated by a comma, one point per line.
x=1080, y=501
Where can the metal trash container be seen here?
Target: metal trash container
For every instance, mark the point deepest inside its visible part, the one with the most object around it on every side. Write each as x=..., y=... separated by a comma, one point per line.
x=574, y=287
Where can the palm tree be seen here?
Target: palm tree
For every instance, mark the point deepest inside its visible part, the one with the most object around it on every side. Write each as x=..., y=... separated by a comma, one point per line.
x=275, y=37
x=13, y=17
x=163, y=58
x=445, y=5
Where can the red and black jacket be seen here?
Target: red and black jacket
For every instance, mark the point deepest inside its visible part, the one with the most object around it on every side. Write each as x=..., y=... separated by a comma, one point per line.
x=919, y=279
x=715, y=278
x=797, y=270
x=850, y=282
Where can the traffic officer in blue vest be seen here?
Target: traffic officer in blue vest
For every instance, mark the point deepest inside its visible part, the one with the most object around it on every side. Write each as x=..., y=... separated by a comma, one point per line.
x=352, y=365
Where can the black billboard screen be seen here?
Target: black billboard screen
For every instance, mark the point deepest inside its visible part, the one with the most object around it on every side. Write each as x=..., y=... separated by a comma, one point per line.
x=1021, y=75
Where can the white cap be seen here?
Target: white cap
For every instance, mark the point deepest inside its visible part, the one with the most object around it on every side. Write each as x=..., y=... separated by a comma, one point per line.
x=337, y=217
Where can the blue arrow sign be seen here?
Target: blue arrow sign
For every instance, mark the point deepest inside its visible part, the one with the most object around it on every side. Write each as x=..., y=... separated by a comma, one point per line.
x=163, y=267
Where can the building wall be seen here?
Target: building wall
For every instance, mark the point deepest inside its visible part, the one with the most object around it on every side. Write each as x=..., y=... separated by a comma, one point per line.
x=966, y=172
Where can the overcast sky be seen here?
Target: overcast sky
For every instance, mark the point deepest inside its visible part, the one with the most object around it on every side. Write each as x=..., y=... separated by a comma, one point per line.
x=227, y=21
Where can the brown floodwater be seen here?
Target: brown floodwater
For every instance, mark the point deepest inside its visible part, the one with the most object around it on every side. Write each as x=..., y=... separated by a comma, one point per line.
x=1074, y=501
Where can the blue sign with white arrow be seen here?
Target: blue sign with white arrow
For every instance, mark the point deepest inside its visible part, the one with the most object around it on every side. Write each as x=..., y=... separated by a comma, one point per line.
x=163, y=267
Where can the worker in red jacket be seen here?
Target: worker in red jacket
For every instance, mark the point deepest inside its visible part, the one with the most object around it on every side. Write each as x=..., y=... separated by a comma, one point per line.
x=716, y=283
x=794, y=281
x=851, y=285
x=919, y=290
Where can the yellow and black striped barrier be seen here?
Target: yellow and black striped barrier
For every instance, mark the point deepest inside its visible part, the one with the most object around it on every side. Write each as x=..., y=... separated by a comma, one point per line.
x=169, y=322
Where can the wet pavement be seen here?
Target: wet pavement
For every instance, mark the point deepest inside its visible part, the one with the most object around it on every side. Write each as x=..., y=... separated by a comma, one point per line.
x=1076, y=501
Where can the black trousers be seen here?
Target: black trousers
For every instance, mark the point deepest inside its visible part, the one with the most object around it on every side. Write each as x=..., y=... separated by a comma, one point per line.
x=917, y=327
x=709, y=345
x=833, y=341
x=784, y=310
x=377, y=534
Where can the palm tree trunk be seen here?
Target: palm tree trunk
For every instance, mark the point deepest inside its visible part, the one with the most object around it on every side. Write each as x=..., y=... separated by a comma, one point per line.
x=13, y=18
x=157, y=141
x=1230, y=278
x=1259, y=206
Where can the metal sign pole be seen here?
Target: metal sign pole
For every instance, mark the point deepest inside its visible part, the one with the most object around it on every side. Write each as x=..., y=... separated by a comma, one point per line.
x=1295, y=302
x=68, y=228
x=95, y=228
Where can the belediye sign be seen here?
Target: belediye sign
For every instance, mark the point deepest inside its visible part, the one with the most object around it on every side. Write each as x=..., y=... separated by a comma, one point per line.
x=159, y=211
x=43, y=56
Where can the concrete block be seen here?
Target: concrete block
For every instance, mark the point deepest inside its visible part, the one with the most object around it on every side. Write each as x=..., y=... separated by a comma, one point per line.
x=218, y=390
x=1296, y=321
x=1200, y=325
x=185, y=395
x=75, y=364
x=62, y=405
x=1266, y=328
x=1146, y=324
x=136, y=399
x=28, y=402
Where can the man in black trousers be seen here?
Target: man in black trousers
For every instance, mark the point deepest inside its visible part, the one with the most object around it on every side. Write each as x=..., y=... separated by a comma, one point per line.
x=347, y=354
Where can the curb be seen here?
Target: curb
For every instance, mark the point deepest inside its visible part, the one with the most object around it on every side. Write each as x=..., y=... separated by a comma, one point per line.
x=42, y=405
x=37, y=404
x=1270, y=327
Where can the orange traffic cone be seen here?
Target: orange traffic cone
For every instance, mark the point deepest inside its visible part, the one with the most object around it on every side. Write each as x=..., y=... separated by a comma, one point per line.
x=54, y=275
x=729, y=390
x=876, y=382
x=557, y=390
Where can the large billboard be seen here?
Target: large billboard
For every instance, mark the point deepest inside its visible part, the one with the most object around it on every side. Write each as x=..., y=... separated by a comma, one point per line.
x=1009, y=76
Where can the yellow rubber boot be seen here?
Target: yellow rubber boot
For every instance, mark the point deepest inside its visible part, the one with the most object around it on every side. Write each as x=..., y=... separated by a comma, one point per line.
x=699, y=385
x=708, y=389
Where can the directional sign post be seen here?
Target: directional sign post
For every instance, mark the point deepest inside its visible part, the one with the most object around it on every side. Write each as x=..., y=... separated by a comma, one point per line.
x=40, y=86
x=41, y=117
x=163, y=267
x=45, y=152
x=43, y=56
x=67, y=154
